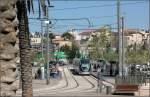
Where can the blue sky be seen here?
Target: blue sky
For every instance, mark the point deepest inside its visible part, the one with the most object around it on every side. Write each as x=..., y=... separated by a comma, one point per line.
x=99, y=13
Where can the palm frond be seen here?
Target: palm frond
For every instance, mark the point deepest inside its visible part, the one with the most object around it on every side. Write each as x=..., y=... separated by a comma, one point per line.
x=48, y=2
x=32, y=5
x=43, y=6
x=39, y=8
x=28, y=5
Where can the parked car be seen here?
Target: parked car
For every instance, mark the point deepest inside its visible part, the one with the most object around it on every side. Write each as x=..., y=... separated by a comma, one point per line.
x=52, y=63
x=61, y=63
x=146, y=71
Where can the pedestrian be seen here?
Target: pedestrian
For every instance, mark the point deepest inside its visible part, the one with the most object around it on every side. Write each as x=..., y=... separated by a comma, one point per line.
x=98, y=66
x=36, y=75
x=94, y=67
x=39, y=73
x=60, y=71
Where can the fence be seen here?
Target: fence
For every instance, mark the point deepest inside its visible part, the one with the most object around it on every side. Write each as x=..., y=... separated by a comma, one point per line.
x=137, y=79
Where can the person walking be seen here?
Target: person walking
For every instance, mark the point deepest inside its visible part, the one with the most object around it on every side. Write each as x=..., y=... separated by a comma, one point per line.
x=39, y=73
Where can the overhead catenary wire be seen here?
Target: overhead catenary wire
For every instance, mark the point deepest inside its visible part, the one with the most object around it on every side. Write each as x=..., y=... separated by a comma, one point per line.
x=80, y=18
x=95, y=6
x=89, y=0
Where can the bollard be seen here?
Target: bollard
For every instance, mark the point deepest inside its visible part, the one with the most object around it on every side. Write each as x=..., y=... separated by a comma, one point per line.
x=108, y=90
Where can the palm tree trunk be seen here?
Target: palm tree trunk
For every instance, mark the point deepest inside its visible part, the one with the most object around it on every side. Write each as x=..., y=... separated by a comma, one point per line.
x=8, y=48
x=26, y=67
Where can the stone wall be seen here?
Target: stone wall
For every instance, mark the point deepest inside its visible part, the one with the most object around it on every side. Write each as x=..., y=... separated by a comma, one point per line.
x=8, y=48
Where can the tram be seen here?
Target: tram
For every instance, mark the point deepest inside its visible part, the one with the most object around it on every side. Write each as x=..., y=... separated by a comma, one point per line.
x=82, y=66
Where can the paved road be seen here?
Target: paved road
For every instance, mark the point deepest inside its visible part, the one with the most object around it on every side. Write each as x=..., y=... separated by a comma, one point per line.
x=69, y=85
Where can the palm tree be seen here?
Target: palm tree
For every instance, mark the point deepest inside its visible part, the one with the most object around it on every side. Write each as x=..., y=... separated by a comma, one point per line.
x=24, y=45
x=8, y=48
x=26, y=67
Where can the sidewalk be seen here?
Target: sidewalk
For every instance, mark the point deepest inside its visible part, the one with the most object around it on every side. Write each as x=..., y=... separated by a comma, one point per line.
x=42, y=83
x=144, y=90
x=39, y=85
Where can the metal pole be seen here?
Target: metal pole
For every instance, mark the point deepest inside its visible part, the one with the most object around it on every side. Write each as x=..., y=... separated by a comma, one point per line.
x=99, y=81
x=0, y=80
x=120, y=34
x=123, y=61
x=42, y=39
x=47, y=53
x=149, y=45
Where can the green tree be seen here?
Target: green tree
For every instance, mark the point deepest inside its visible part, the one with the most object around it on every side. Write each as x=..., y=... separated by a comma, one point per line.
x=71, y=52
x=68, y=36
x=65, y=49
x=111, y=56
x=74, y=52
x=136, y=54
x=51, y=36
x=98, y=45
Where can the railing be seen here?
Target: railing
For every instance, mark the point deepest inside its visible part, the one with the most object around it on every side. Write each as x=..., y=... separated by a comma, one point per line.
x=137, y=79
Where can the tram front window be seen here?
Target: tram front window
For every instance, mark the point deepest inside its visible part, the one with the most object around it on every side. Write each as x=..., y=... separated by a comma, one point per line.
x=85, y=67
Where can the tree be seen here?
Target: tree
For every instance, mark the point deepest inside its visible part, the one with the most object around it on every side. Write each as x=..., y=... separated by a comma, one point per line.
x=110, y=55
x=9, y=49
x=68, y=36
x=24, y=45
x=74, y=52
x=136, y=54
x=98, y=45
x=65, y=49
x=71, y=52
x=26, y=77
x=51, y=36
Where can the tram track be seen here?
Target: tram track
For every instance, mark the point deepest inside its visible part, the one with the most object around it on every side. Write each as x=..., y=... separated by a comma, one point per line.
x=93, y=85
x=79, y=87
x=104, y=81
x=73, y=84
x=66, y=85
x=65, y=89
x=82, y=90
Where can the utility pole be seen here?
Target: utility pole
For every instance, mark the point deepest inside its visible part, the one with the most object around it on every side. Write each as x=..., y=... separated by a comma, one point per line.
x=42, y=39
x=123, y=53
x=47, y=50
x=119, y=36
